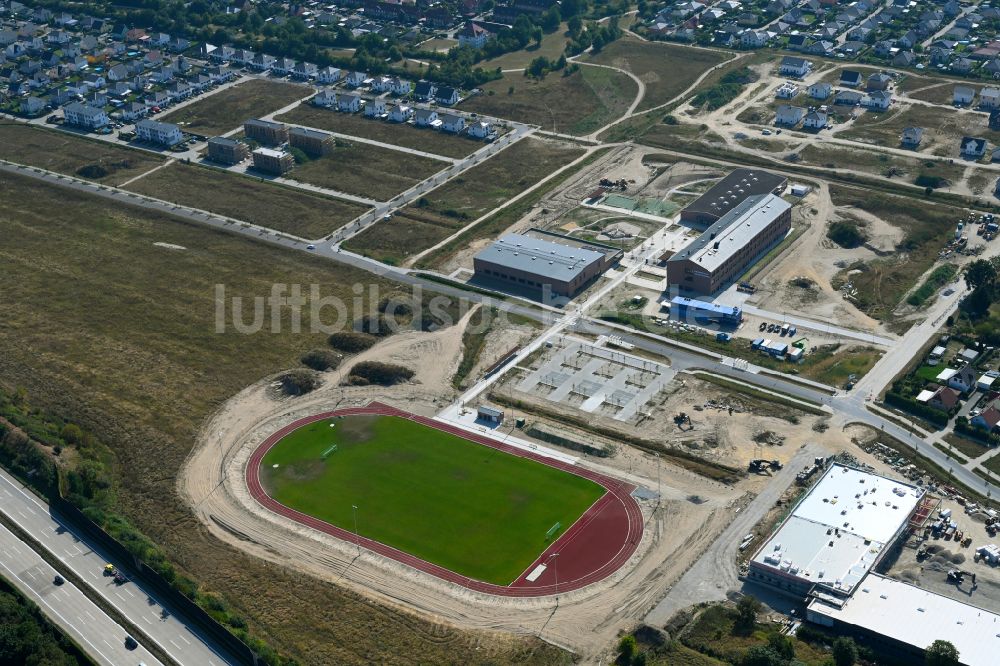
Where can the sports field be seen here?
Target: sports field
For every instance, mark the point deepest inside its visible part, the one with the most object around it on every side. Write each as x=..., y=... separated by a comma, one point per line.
x=474, y=510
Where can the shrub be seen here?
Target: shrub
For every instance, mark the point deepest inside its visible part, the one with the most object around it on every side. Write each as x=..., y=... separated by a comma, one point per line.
x=321, y=359
x=93, y=171
x=846, y=234
x=299, y=382
x=375, y=372
x=351, y=342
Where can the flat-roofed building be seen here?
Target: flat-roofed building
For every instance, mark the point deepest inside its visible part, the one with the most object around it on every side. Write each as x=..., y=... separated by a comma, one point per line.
x=165, y=134
x=730, y=192
x=836, y=534
x=227, y=151
x=266, y=132
x=904, y=619
x=539, y=264
x=274, y=162
x=731, y=244
x=311, y=142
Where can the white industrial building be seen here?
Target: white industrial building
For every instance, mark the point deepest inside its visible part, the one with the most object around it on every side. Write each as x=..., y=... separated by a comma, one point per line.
x=907, y=619
x=837, y=533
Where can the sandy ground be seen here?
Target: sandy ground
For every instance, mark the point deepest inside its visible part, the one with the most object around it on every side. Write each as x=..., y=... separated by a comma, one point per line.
x=585, y=621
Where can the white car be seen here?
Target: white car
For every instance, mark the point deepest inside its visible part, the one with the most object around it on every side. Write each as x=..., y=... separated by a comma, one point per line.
x=310, y=247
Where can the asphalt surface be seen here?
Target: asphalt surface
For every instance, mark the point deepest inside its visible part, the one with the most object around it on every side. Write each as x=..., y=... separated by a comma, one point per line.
x=67, y=606
x=178, y=639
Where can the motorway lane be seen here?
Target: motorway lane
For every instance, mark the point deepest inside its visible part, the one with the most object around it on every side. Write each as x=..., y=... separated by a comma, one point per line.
x=67, y=606
x=179, y=640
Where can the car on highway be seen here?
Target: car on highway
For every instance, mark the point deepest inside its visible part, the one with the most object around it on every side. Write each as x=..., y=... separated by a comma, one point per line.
x=58, y=580
x=310, y=247
x=131, y=643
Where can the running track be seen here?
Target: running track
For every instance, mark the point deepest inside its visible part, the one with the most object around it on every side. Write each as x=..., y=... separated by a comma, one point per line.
x=593, y=548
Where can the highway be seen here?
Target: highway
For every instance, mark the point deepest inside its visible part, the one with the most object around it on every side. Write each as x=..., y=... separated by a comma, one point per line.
x=176, y=638
x=67, y=606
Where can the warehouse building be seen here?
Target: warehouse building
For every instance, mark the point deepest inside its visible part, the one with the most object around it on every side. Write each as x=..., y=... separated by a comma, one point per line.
x=904, y=620
x=730, y=245
x=730, y=192
x=542, y=263
x=836, y=534
x=266, y=132
x=227, y=151
x=274, y=162
x=311, y=142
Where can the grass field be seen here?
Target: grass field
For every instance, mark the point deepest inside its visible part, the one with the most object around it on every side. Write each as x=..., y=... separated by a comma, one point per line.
x=249, y=199
x=397, y=134
x=367, y=171
x=102, y=326
x=461, y=200
x=666, y=69
x=66, y=153
x=479, y=512
x=552, y=46
x=576, y=104
x=228, y=109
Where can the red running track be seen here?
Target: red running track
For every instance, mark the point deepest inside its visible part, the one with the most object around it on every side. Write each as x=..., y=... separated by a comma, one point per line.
x=593, y=548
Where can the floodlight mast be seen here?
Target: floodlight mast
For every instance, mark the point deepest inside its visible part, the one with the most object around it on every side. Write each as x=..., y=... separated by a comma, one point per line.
x=357, y=538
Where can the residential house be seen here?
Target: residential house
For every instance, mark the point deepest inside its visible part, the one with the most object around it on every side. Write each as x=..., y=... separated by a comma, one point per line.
x=424, y=91
x=152, y=59
x=964, y=380
x=789, y=115
x=961, y=65
x=262, y=62
x=481, y=129
x=380, y=84
x=304, y=70
x=96, y=99
x=797, y=42
x=222, y=54
x=446, y=95
x=786, y=91
x=356, y=79
x=32, y=106
x=452, y=123
x=134, y=111
x=904, y=59
x=164, y=134
x=400, y=113
x=909, y=40
x=273, y=162
x=963, y=95
x=878, y=81
x=398, y=86
x=328, y=75
x=847, y=98
x=349, y=103
x=850, y=78
x=989, y=98
x=878, y=100
x=283, y=66
x=474, y=35
x=375, y=108
x=156, y=99
x=88, y=117
x=820, y=90
x=325, y=98
x=178, y=90
x=425, y=117
x=815, y=119
x=179, y=45
x=119, y=72
x=988, y=419
x=944, y=399
x=994, y=121
x=754, y=39
x=227, y=151
x=972, y=148
x=912, y=136
x=243, y=57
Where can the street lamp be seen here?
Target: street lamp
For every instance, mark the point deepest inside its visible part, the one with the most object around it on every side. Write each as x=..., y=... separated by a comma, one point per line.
x=357, y=539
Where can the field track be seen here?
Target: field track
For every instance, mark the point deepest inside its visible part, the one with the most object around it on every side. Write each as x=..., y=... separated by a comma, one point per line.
x=593, y=548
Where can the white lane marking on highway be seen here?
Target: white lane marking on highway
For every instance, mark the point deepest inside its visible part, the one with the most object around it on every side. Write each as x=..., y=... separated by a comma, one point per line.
x=181, y=636
x=118, y=594
x=146, y=619
x=31, y=574
x=128, y=592
x=69, y=624
x=23, y=515
x=175, y=644
x=88, y=614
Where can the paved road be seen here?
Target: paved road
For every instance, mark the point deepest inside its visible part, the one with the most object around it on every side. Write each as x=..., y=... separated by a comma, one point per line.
x=67, y=606
x=178, y=639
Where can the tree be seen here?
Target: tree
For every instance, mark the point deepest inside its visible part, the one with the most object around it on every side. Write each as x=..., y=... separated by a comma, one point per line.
x=575, y=27
x=762, y=655
x=980, y=273
x=782, y=646
x=941, y=653
x=551, y=19
x=626, y=649
x=746, y=614
x=845, y=652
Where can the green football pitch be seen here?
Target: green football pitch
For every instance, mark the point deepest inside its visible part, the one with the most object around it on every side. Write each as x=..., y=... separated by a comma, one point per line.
x=479, y=512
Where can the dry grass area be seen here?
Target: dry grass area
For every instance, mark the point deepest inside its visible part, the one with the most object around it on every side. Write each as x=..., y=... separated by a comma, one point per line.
x=666, y=69
x=228, y=109
x=576, y=104
x=104, y=326
x=64, y=152
x=943, y=127
x=552, y=46
x=463, y=199
x=249, y=199
x=398, y=134
x=367, y=171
